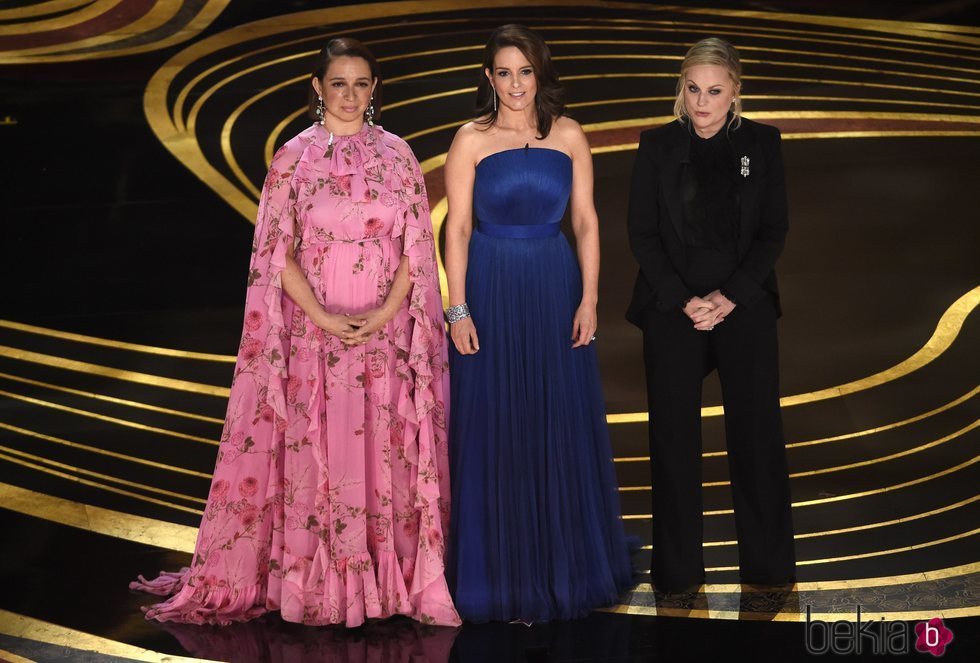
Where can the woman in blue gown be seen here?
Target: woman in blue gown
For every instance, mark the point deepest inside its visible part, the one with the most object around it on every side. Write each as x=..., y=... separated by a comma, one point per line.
x=536, y=532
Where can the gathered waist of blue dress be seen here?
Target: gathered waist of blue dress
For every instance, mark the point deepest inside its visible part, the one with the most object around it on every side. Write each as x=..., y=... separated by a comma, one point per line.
x=510, y=231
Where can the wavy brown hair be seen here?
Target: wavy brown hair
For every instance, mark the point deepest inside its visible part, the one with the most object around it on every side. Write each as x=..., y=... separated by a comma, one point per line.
x=549, y=100
x=340, y=47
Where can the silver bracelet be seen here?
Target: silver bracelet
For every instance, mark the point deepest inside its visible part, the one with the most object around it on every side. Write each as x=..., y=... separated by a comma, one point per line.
x=457, y=313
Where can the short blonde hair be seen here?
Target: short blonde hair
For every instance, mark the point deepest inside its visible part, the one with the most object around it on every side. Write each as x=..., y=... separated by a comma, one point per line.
x=711, y=51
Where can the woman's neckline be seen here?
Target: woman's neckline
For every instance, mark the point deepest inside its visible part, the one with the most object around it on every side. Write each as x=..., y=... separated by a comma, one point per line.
x=526, y=147
x=360, y=132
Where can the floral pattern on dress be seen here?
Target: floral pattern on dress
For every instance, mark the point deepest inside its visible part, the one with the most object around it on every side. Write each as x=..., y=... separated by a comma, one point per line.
x=330, y=495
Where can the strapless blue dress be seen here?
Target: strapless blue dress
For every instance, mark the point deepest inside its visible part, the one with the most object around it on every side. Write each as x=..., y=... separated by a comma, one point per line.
x=536, y=533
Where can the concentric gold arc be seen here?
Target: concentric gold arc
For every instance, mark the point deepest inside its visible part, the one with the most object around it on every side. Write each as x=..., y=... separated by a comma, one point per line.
x=112, y=399
x=88, y=49
x=102, y=452
x=36, y=630
x=848, y=496
x=98, y=485
x=115, y=373
x=6, y=452
x=824, y=440
x=116, y=345
x=107, y=419
x=858, y=528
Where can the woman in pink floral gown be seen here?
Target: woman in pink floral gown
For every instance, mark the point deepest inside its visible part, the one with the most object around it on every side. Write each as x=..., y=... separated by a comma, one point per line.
x=330, y=496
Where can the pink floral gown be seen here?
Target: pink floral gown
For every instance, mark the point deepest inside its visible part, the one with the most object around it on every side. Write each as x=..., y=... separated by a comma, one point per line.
x=330, y=496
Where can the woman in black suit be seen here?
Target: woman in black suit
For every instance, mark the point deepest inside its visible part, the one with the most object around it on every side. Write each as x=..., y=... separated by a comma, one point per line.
x=707, y=220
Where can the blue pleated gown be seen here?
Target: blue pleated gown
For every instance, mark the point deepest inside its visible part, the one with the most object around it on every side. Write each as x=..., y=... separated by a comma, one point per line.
x=536, y=533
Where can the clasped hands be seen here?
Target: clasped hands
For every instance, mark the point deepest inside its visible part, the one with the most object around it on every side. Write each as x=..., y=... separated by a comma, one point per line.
x=708, y=311
x=354, y=329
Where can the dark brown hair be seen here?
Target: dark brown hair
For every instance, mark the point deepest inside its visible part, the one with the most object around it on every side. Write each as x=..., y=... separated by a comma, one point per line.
x=549, y=100
x=340, y=47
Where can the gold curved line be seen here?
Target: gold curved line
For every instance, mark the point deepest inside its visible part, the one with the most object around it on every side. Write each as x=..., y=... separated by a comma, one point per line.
x=159, y=14
x=776, y=63
x=438, y=216
x=52, y=53
x=185, y=91
x=823, y=440
x=108, y=522
x=867, y=555
x=270, y=143
x=784, y=616
x=115, y=373
x=41, y=9
x=892, y=551
x=790, y=79
x=764, y=49
x=103, y=452
x=112, y=399
x=784, y=79
x=225, y=141
x=29, y=628
x=226, y=128
x=854, y=583
x=9, y=657
x=116, y=345
x=679, y=57
x=863, y=115
x=928, y=30
x=94, y=10
x=947, y=330
x=878, y=134
x=100, y=486
x=98, y=475
x=837, y=498
x=759, y=32
x=110, y=420
x=857, y=528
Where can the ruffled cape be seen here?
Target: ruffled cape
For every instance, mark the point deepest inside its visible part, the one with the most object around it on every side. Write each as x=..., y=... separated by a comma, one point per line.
x=208, y=593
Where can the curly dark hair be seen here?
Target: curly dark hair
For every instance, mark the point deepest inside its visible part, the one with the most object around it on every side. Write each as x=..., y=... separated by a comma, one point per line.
x=549, y=101
x=340, y=47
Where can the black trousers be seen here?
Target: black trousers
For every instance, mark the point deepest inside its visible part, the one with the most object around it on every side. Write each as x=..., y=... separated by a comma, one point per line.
x=744, y=350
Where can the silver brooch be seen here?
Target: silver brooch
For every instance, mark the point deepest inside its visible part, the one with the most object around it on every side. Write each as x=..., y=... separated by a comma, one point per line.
x=745, y=167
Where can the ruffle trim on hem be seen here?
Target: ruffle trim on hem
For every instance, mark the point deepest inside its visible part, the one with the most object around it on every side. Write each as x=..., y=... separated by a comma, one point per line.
x=346, y=591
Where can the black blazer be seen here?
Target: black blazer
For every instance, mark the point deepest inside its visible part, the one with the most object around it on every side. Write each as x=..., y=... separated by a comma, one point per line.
x=655, y=216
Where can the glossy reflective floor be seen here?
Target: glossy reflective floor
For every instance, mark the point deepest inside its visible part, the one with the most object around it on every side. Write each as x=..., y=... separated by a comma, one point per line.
x=136, y=136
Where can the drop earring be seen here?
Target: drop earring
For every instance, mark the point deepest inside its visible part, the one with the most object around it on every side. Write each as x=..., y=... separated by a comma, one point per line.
x=494, y=98
x=319, y=109
x=370, y=112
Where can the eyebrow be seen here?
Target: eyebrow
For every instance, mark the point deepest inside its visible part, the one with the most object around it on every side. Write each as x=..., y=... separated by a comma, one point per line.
x=341, y=78
x=527, y=66
x=710, y=86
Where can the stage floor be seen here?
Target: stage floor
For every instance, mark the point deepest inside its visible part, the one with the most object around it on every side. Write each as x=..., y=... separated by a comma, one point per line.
x=137, y=141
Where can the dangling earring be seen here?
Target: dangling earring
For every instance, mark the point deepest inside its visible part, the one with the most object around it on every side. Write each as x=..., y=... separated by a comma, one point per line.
x=494, y=98
x=370, y=112
x=319, y=109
